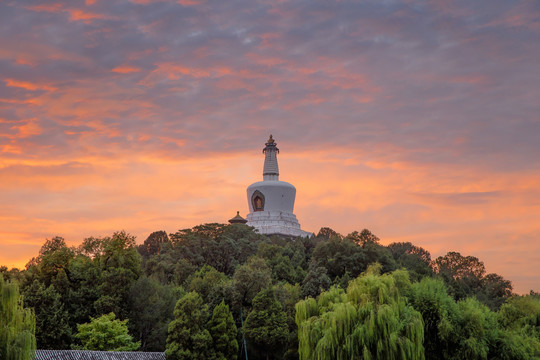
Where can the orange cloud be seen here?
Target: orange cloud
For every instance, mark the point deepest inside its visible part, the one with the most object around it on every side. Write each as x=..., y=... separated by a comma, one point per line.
x=30, y=128
x=28, y=85
x=86, y=16
x=191, y=2
x=56, y=7
x=125, y=69
x=23, y=61
x=145, y=2
x=74, y=13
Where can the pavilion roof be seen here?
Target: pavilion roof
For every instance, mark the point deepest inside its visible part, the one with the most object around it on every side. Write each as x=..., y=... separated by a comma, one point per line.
x=97, y=355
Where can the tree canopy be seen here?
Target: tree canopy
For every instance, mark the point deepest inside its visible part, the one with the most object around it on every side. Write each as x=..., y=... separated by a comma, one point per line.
x=219, y=276
x=106, y=333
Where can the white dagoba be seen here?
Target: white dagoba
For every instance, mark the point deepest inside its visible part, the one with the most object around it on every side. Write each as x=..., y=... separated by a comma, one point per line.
x=271, y=202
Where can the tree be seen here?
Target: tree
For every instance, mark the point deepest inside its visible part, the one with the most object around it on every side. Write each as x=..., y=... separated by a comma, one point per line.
x=519, y=317
x=220, y=246
x=106, y=333
x=223, y=331
x=463, y=274
x=17, y=325
x=266, y=325
x=376, y=253
x=413, y=258
x=465, y=277
x=371, y=320
x=153, y=243
x=209, y=283
x=54, y=259
x=52, y=319
x=120, y=266
x=439, y=312
x=288, y=295
x=363, y=238
x=188, y=337
x=251, y=278
x=494, y=291
x=10, y=275
x=151, y=310
x=282, y=267
x=85, y=276
x=476, y=328
x=316, y=280
x=339, y=256
x=467, y=329
x=328, y=233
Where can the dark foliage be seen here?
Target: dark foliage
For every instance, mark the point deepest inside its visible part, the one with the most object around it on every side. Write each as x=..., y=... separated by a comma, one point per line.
x=230, y=270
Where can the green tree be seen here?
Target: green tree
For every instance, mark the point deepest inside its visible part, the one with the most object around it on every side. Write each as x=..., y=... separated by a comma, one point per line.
x=153, y=244
x=465, y=277
x=221, y=246
x=151, y=309
x=440, y=313
x=12, y=274
x=251, y=278
x=17, y=325
x=467, y=329
x=462, y=274
x=106, y=333
x=328, y=233
x=413, y=258
x=52, y=319
x=519, y=318
x=288, y=295
x=224, y=332
x=120, y=266
x=339, y=256
x=266, y=325
x=369, y=321
x=316, y=280
x=54, y=259
x=85, y=276
x=363, y=238
x=188, y=337
x=376, y=253
x=281, y=265
x=476, y=328
x=209, y=283
x=494, y=291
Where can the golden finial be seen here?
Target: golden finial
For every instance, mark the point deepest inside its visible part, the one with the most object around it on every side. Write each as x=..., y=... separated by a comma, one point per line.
x=271, y=140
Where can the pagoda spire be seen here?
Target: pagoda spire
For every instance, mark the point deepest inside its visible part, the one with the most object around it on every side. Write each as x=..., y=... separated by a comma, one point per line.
x=271, y=169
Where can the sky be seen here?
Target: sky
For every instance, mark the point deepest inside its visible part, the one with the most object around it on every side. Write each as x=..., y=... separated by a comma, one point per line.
x=418, y=120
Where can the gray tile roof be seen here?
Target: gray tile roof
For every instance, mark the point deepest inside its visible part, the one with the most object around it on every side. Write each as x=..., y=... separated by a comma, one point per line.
x=97, y=355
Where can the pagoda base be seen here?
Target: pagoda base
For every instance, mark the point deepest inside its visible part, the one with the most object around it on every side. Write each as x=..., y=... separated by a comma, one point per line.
x=276, y=223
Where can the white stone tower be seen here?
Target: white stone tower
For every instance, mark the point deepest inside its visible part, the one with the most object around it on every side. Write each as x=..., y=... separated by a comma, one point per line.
x=271, y=202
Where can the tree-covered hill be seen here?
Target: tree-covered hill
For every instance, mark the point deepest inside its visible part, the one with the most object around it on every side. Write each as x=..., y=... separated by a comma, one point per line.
x=217, y=291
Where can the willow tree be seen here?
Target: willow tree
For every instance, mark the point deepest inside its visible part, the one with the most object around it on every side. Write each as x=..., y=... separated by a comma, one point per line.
x=17, y=325
x=371, y=320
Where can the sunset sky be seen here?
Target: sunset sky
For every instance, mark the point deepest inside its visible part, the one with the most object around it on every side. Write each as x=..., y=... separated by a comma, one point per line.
x=418, y=120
